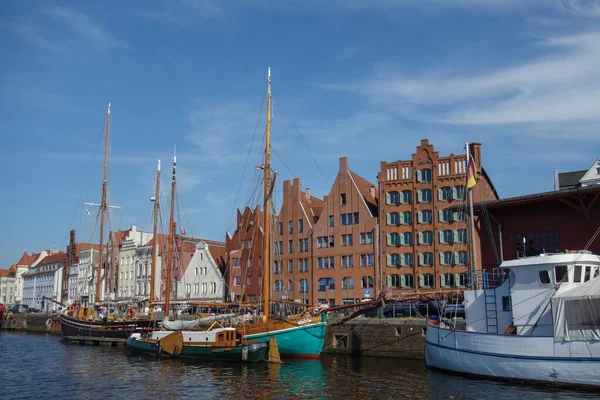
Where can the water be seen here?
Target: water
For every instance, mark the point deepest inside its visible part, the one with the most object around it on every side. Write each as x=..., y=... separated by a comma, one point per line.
x=42, y=366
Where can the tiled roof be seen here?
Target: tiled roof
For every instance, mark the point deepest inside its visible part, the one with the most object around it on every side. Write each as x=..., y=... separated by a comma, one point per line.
x=13, y=267
x=27, y=259
x=54, y=258
x=568, y=179
x=120, y=235
x=4, y=272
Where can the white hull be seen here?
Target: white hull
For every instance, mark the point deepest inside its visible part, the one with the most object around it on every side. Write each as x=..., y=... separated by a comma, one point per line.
x=523, y=358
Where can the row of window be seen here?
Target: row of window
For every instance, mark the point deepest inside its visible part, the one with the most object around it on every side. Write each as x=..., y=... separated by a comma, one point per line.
x=291, y=227
x=426, y=259
x=427, y=281
x=424, y=217
x=426, y=237
x=201, y=288
x=447, y=193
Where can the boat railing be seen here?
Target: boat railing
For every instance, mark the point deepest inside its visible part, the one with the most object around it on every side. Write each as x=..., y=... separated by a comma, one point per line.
x=488, y=280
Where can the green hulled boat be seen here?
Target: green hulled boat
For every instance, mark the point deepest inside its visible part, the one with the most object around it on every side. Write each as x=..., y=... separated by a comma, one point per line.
x=221, y=344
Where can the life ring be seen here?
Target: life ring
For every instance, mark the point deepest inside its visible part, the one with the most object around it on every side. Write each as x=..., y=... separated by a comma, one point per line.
x=131, y=312
x=72, y=308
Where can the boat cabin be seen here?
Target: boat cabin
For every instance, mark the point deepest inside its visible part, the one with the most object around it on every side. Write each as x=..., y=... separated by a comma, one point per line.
x=218, y=336
x=522, y=295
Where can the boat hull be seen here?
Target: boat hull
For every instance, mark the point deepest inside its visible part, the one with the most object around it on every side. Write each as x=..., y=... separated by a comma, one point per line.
x=245, y=353
x=118, y=331
x=302, y=341
x=513, y=357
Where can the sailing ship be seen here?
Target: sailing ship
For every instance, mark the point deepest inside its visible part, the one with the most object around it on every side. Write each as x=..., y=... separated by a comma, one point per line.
x=215, y=343
x=532, y=319
x=87, y=324
x=300, y=335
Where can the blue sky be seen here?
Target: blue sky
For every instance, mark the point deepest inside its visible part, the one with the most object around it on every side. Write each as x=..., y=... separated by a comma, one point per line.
x=363, y=79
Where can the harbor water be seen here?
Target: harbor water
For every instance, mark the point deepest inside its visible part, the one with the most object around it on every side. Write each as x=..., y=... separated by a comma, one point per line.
x=42, y=367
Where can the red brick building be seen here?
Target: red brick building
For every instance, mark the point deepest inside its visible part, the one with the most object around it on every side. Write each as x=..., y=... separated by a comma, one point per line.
x=425, y=238
x=244, y=256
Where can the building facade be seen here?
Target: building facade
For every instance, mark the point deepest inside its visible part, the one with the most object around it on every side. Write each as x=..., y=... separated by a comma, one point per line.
x=43, y=282
x=425, y=240
x=7, y=289
x=203, y=278
x=25, y=262
x=86, y=275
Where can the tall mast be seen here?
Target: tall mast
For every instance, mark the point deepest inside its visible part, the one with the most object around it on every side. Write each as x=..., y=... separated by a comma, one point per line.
x=103, y=208
x=267, y=206
x=473, y=249
x=171, y=238
x=155, y=241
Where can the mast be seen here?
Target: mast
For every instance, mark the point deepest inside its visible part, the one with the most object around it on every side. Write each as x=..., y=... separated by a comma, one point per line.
x=267, y=206
x=155, y=241
x=473, y=249
x=103, y=208
x=171, y=238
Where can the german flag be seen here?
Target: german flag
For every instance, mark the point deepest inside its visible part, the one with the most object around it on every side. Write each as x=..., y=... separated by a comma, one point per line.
x=471, y=173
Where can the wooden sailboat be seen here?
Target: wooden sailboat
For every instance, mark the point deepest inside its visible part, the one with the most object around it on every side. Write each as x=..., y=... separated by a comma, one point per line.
x=300, y=335
x=215, y=343
x=86, y=324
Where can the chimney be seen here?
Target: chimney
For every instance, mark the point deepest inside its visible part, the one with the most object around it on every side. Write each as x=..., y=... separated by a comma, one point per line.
x=343, y=163
x=308, y=193
x=556, y=180
x=373, y=190
x=297, y=189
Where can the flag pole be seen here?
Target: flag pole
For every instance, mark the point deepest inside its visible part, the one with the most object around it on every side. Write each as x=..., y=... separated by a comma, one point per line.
x=473, y=248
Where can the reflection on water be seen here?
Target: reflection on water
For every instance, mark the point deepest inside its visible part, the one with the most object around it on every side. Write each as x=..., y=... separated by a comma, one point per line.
x=39, y=366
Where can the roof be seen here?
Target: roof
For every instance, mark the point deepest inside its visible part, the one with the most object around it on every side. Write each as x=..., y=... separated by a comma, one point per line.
x=54, y=258
x=537, y=197
x=364, y=188
x=27, y=259
x=4, y=272
x=567, y=179
x=118, y=236
x=87, y=246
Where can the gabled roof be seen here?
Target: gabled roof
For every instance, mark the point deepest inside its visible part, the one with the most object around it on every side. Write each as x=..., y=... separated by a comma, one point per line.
x=27, y=259
x=119, y=236
x=364, y=188
x=54, y=258
x=4, y=272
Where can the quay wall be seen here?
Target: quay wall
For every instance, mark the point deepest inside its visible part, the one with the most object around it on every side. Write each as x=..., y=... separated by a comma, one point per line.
x=390, y=337
x=41, y=323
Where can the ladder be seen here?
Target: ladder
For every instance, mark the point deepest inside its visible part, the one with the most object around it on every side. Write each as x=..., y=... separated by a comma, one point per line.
x=491, y=312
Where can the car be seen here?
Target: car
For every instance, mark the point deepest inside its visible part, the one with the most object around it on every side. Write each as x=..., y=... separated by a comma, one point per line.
x=33, y=310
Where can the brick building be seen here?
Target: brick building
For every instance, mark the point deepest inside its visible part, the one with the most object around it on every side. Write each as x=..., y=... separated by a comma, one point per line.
x=244, y=256
x=425, y=241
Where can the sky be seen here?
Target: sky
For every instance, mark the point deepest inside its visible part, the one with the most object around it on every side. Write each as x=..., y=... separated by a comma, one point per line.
x=362, y=79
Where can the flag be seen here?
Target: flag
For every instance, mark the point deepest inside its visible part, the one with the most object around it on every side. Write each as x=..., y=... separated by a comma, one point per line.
x=471, y=173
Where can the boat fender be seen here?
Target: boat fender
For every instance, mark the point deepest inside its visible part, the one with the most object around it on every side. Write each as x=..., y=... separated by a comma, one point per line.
x=131, y=312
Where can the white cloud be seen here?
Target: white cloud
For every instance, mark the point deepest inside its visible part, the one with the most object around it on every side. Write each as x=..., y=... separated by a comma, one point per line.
x=31, y=34
x=86, y=27
x=185, y=12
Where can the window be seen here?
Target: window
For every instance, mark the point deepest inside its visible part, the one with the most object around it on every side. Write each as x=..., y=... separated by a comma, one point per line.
x=445, y=215
x=587, y=274
x=426, y=237
x=426, y=281
x=393, y=219
x=366, y=260
x=446, y=236
x=331, y=241
x=506, y=303
x=461, y=258
x=355, y=218
x=343, y=219
x=291, y=266
x=408, y=281
x=459, y=192
x=393, y=260
x=406, y=239
x=303, y=286
x=406, y=260
x=577, y=274
x=446, y=258
x=326, y=283
x=460, y=236
x=303, y=265
x=406, y=218
x=347, y=240
x=561, y=274
x=458, y=216
x=532, y=244
x=236, y=281
x=425, y=217
x=424, y=196
x=392, y=198
x=544, y=277
x=331, y=220
x=366, y=238
x=445, y=194
x=424, y=175
x=343, y=199
x=406, y=197
x=300, y=225
x=366, y=282
x=281, y=228
x=278, y=285
x=394, y=281
x=290, y=227
x=347, y=283
x=426, y=259
x=290, y=246
x=393, y=239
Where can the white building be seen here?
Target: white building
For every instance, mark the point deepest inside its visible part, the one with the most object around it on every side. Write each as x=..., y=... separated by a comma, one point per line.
x=43, y=282
x=86, y=276
x=143, y=265
x=203, y=279
x=73, y=273
x=126, y=242
x=7, y=290
x=22, y=267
